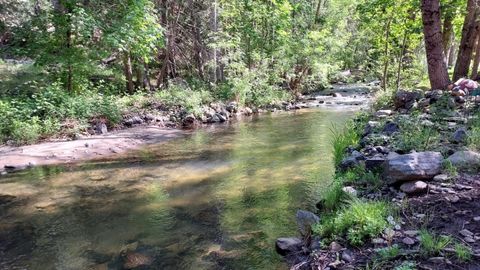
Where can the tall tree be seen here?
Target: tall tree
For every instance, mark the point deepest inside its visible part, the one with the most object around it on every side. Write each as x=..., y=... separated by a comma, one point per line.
x=467, y=42
x=432, y=29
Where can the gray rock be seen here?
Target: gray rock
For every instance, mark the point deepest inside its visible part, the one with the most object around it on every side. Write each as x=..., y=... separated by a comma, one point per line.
x=465, y=159
x=466, y=233
x=408, y=241
x=285, y=246
x=441, y=178
x=390, y=128
x=221, y=117
x=232, y=107
x=437, y=260
x=476, y=219
x=101, y=128
x=136, y=120
x=305, y=220
x=350, y=190
x=411, y=233
x=383, y=113
x=348, y=256
x=375, y=162
x=335, y=247
x=247, y=111
x=189, y=119
x=406, y=99
x=459, y=136
x=414, y=166
x=415, y=187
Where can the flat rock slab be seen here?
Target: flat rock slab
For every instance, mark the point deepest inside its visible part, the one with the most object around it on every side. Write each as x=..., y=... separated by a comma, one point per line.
x=415, y=166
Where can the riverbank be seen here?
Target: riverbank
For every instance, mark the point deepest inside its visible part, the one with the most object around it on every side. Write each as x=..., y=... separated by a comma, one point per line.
x=405, y=194
x=151, y=127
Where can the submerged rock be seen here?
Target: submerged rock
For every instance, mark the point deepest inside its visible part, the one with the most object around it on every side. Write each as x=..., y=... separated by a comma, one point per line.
x=415, y=166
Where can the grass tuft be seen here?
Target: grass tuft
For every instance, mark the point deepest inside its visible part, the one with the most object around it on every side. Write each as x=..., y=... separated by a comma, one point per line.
x=342, y=139
x=431, y=244
x=463, y=253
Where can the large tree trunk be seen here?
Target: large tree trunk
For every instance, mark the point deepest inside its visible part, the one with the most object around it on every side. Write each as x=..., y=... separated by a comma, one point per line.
x=467, y=42
x=437, y=68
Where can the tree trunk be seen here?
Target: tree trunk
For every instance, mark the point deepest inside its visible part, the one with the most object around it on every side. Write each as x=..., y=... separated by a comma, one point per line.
x=127, y=68
x=452, y=52
x=476, y=58
x=387, y=58
x=437, y=68
x=467, y=42
x=139, y=83
x=447, y=35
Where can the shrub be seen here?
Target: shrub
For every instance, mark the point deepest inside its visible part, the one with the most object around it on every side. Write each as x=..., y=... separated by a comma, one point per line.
x=357, y=221
x=26, y=132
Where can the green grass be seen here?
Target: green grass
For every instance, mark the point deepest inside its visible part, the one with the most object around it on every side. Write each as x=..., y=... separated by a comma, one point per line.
x=406, y=266
x=414, y=136
x=449, y=168
x=342, y=139
x=432, y=245
x=462, y=252
x=334, y=196
x=357, y=221
x=388, y=253
x=474, y=133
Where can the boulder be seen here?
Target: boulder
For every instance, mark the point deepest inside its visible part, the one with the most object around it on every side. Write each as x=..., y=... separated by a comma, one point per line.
x=406, y=99
x=352, y=161
x=232, y=107
x=383, y=113
x=221, y=117
x=414, y=187
x=414, y=166
x=459, y=136
x=465, y=160
x=305, y=220
x=285, y=246
x=375, y=162
x=189, y=119
x=136, y=120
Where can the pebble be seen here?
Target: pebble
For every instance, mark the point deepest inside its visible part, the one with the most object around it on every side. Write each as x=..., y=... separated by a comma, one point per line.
x=411, y=233
x=441, y=178
x=408, y=241
x=466, y=233
x=347, y=256
x=437, y=260
x=378, y=241
x=476, y=219
x=335, y=247
x=453, y=199
x=469, y=239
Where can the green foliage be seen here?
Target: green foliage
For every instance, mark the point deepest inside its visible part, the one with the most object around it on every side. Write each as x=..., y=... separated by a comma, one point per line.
x=388, y=253
x=449, y=168
x=414, y=136
x=463, y=253
x=406, y=266
x=342, y=139
x=334, y=196
x=431, y=244
x=359, y=175
x=185, y=97
x=357, y=221
x=474, y=134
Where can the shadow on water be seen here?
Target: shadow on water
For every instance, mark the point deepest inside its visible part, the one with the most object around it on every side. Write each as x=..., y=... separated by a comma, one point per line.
x=215, y=200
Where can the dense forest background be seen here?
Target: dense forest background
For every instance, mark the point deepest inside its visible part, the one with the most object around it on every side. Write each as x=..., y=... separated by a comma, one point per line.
x=71, y=60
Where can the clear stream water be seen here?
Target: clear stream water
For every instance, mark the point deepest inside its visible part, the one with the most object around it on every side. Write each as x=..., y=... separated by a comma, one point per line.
x=215, y=199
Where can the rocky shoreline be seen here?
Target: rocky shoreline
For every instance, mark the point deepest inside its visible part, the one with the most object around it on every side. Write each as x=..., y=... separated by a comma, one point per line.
x=427, y=171
x=159, y=125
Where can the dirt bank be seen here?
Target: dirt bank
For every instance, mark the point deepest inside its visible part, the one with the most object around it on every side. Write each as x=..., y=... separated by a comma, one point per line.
x=88, y=148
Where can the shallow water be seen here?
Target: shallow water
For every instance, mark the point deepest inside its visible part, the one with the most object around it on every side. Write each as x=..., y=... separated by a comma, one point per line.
x=216, y=199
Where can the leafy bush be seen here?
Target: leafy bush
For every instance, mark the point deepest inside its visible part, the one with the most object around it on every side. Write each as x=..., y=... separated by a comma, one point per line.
x=357, y=221
x=190, y=99
x=26, y=132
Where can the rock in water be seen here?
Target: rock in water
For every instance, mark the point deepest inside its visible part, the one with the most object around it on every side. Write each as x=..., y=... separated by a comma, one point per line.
x=465, y=160
x=305, y=220
x=133, y=260
x=285, y=246
x=414, y=187
x=415, y=166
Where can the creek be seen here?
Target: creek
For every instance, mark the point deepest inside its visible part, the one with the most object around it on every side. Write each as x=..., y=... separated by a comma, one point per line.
x=214, y=199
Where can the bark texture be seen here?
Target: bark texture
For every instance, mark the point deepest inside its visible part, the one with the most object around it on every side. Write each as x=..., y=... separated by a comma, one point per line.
x=437, y=68
x=467, y=42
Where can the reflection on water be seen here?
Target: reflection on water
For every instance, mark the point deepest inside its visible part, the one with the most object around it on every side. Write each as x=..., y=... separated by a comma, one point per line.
x=217, y=199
